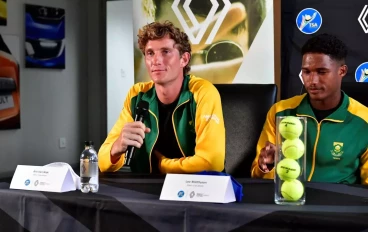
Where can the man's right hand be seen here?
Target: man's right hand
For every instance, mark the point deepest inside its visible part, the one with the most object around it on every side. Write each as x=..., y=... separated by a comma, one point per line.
x=132, y=134
x=267, y=156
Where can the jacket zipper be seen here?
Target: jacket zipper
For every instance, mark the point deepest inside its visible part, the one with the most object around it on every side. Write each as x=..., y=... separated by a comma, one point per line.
x=158, y=131
x=176, y=136
x=316, y=142
x=315, y=145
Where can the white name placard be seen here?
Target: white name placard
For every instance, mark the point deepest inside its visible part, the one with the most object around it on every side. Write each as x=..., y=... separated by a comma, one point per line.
x=198, y=188
x=37, y=178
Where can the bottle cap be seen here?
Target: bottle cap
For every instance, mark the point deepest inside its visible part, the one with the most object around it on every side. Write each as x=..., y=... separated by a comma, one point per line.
x=88, y=143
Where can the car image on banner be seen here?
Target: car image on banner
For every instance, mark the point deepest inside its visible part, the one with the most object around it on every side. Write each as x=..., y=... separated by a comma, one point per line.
x=9, y=82
x=45, y=37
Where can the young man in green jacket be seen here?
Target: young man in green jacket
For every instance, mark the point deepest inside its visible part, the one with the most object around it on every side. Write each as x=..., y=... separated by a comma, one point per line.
x=184, y=130
x=337, y=126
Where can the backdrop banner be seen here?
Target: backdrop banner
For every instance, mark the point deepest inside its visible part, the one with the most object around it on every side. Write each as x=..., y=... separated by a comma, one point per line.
x=232, y=40
x=302, y=19
x=9, y=82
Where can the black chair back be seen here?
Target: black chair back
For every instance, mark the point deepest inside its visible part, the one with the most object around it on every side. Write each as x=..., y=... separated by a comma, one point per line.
x=356, y=90
x=245, y=108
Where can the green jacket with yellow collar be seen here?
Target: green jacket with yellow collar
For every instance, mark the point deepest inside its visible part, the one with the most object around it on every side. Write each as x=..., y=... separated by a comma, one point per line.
x=337, y=146
x=198, y=127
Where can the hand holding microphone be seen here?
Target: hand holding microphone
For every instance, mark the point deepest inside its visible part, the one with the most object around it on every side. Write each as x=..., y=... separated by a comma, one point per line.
x=132, y=135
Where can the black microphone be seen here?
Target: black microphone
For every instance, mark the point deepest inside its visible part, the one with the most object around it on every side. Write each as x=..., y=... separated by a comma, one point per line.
x=141, y=113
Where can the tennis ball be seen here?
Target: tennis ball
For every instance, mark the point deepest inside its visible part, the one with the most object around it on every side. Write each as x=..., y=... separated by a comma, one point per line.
x=290, y=127
x=293, y=148
x=292, y=190
x=288, y=169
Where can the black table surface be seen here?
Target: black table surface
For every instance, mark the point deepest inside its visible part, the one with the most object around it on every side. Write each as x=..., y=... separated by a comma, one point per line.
x=130, y=202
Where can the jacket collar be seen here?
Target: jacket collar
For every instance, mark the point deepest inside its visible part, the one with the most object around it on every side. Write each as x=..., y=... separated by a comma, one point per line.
x=150, y=96
x=339, y=115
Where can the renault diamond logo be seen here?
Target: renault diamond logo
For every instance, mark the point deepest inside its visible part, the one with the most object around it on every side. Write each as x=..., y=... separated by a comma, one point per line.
x=192, y=194
x=301, y=77
x=362, y=19
x=200, y=28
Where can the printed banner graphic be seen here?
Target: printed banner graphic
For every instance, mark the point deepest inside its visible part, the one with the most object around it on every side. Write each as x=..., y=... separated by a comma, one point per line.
x=232, y=40
x=302, y=19
x=9, y=82
x=3, y=13
x=45, y=37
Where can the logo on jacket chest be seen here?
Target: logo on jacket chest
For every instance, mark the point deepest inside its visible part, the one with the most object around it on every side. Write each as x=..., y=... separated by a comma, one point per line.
x=337, y=150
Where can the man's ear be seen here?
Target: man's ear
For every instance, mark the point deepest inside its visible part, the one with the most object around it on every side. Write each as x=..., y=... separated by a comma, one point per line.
x=185, y=58
x=343, y=70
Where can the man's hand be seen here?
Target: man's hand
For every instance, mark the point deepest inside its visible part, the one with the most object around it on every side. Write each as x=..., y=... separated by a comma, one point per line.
x=132, y=134
x=267, y=156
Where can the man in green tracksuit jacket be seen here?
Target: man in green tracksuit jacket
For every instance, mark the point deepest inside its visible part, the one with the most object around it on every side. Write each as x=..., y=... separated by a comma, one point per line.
x=184, y=130
x=337, y=125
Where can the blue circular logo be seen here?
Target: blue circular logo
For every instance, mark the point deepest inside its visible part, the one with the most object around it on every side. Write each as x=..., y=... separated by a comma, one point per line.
x=361, y=73
x=180, y=193
x=27, y=182
x=309, y=21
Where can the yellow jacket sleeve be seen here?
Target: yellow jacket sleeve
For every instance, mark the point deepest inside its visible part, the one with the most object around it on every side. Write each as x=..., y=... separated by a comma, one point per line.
x=104, y=157
x=364, y=168
x=210, y=135
x=268, y=134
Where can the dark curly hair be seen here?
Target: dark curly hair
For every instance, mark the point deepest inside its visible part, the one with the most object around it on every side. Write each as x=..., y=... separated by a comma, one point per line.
x=157, y=30
x=326, y=44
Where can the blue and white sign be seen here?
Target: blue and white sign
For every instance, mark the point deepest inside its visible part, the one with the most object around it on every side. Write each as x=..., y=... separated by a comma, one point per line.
x=180, y=193
x=198, y=188
x=361, y=73
x=309, y=21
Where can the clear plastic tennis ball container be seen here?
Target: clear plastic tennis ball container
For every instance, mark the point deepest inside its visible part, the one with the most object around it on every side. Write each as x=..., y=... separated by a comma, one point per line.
x=290, y=160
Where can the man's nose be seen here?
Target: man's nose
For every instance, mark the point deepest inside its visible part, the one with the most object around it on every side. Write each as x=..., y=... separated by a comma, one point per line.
x=314, y=78
x=157, y=59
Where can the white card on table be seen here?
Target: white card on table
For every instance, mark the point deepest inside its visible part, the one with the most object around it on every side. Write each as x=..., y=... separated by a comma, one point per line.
x=198, y=188
x=42, y=178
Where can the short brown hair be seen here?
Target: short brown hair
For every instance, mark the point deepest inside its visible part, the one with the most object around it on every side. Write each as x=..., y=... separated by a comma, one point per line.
x=157, y=30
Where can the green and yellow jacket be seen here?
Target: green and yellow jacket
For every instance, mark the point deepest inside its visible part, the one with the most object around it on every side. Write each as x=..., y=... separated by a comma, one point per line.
x=198, y=126
x=336, y=147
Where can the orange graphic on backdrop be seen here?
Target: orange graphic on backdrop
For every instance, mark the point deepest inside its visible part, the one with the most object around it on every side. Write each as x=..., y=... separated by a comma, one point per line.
x=9, y=86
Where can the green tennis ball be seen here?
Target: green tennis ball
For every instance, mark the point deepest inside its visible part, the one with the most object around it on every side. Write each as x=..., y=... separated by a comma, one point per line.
x=288, y=169
x=292, y=190
x=293, y=148
x=290, y=127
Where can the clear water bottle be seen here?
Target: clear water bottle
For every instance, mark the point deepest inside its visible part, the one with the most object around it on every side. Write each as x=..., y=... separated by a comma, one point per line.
x=89, y=168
